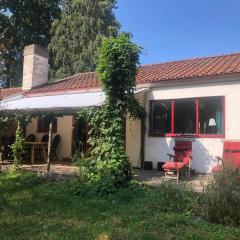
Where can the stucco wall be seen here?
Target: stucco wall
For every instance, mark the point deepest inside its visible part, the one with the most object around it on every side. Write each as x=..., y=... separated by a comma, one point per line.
x=64, y=129
x=204, y=149
x=133, y=136
x=133, y=142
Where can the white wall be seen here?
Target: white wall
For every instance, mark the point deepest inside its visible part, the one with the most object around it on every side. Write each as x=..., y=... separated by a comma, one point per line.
x=64, y=129
x=133, y=142
x=133, y=135
x=204, y=149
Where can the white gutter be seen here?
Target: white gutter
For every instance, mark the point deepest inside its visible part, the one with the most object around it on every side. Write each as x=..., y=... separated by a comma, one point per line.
x=73, y=101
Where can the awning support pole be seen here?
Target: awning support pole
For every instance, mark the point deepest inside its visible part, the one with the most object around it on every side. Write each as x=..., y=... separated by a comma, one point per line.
x=49, y=145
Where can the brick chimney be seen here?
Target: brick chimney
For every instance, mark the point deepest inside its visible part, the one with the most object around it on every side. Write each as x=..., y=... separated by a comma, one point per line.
x=35, y=67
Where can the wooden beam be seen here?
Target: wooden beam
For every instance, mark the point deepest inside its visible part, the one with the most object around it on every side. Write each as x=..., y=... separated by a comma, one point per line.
x=49, y=145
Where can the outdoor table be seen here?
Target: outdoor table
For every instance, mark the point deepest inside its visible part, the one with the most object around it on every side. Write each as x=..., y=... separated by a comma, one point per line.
x=37, y=145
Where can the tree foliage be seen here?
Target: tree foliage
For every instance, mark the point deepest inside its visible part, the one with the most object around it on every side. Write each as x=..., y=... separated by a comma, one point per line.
x=18, y=147
x=23, y=22
x=108, y=163
x=78, y=34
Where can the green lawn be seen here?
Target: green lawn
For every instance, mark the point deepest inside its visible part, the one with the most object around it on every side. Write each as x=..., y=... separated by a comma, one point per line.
x=31, y=208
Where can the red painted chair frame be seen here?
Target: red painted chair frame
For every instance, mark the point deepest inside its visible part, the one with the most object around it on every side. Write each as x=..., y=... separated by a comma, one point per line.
x=180, y=161
x=231, y=156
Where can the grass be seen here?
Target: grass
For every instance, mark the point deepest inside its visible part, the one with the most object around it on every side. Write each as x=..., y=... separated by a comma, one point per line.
x=33, y=208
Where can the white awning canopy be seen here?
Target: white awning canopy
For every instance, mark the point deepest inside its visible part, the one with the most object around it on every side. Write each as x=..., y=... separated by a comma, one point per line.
x=68, y=102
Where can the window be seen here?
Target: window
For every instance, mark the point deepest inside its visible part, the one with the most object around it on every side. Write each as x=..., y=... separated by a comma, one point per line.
x=210, y=116
x=193, y=116
x=43, y=124
x=161, y=117
x=185, y=116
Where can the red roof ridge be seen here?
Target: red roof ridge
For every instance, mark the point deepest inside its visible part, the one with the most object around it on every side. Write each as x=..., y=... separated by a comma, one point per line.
x=191, y=59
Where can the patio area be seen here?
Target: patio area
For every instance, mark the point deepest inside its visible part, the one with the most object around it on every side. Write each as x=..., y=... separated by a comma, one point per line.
x=154, y=178
x=66, y=171
x=58, y=170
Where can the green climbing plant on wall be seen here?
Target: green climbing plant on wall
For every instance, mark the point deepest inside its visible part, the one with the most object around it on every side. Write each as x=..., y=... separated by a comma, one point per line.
x=18, y=147
x=107, y=163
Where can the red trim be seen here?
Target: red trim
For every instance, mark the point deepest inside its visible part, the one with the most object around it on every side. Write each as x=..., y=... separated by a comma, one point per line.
x=197, y=135
x=188, y=136
x=210, y=136
x=197, y=117
x=224, y=115
x=172, y=113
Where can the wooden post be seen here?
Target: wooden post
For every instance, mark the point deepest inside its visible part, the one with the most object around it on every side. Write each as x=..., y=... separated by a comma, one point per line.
x=49, y=145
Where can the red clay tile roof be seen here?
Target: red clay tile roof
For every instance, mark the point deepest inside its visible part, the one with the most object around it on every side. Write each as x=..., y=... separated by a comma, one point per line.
x=198, y=67
x=177, y=70
x=76, y=82
x=6, y=92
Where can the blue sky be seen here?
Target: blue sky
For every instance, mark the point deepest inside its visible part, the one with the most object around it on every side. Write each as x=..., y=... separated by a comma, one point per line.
x=177, y=29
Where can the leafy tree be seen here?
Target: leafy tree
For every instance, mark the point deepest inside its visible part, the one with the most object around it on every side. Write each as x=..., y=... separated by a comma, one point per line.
x=23, y=22
x=78, y=34
x=108, y=164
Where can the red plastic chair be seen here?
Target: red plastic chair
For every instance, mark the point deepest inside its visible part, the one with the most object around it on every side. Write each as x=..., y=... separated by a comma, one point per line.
x=180, y=161
x=231, y=156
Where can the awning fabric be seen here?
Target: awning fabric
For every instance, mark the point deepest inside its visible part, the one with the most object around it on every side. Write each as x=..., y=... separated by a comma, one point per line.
x=69, y=101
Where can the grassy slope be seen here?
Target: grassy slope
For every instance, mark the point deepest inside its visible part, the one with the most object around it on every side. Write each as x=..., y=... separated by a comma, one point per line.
x=33, y=209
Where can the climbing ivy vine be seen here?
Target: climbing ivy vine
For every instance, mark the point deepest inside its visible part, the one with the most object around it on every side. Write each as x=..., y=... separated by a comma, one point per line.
x=107, y=164
x=18, y=147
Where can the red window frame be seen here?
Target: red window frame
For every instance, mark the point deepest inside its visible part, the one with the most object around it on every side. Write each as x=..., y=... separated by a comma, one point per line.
x=197, y=135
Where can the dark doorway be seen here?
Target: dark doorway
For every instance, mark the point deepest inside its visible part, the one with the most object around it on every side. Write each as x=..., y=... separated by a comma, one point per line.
x=81, y=130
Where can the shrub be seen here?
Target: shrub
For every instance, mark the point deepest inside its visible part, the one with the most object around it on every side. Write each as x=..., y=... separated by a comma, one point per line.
x=107, y=166
x=172, y=197
x=222, y=198
x=101, y=176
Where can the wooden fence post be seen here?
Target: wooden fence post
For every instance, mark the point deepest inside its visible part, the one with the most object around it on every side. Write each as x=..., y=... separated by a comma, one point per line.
x=49, y=145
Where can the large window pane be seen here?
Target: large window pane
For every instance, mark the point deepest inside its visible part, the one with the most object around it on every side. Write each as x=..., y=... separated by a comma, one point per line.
x=210, y=115
x=161, y=117
x=185, y=116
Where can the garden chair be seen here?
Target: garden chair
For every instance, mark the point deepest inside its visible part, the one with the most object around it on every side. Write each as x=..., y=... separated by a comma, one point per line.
x=30, y=138
x=45, y=140
x=180, y=162
x=230, y=157
x=6, y=148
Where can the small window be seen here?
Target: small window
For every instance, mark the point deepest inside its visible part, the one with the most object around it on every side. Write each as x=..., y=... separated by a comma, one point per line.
x=185, y=116
x=43, y=124
x=210, y=115
x=161, y=117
